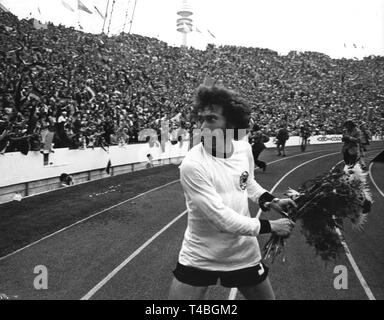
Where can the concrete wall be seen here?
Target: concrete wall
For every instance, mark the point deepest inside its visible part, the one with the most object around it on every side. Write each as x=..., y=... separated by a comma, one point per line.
x=30, y=174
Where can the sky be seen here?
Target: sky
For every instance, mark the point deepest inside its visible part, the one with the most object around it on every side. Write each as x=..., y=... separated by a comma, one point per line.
x=338, y=28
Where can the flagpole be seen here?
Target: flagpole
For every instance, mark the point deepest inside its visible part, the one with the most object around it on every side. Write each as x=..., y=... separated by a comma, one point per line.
x=133, y=14
x=110, y=18
x=105, y=16
x=126, y=15
x=78, y=15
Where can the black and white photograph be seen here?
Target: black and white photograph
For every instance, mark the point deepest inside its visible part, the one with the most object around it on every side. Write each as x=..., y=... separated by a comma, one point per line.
x=184, y=150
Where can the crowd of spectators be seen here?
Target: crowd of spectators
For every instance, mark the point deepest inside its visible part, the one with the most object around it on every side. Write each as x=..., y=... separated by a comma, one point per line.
x=78, y=90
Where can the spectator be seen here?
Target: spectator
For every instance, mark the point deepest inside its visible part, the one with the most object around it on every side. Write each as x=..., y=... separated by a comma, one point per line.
x=149, y=161
x=131, y=81
x=66, y=180
x=352, y=140
x=257, y=139
x=282, y=136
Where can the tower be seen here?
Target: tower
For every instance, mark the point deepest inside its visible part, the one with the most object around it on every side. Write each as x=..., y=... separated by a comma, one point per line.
x=184, y=22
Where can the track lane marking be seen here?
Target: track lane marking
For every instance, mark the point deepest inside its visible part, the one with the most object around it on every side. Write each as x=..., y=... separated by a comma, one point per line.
x=233, y=291
x=373, y=181
x=126, y=261
x=149, y=241
x=364, y=284
x=352, y=261
x=87, y=218
x=118, y=204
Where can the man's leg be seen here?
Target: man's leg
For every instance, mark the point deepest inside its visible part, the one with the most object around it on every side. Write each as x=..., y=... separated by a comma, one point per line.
x=278, y=148
x=261, y=291
x=259, y=163
x=183, y=291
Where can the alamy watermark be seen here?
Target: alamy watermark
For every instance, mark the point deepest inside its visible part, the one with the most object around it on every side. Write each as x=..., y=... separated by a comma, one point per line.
x=41, y=280
x=341, y=280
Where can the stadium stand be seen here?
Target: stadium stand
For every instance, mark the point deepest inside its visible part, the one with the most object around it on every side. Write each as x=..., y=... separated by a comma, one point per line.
x=82, y=90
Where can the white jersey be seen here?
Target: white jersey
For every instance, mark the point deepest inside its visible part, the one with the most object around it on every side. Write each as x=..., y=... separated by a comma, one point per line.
x=220, y=234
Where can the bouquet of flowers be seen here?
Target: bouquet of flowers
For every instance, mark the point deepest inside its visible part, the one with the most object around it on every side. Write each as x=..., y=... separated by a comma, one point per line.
x=323, y=204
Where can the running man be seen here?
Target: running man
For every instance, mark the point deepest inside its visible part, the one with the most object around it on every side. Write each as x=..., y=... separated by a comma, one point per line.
x=218, y=178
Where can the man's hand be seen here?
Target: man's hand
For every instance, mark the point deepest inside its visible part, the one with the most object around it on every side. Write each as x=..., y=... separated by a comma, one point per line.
x=282, y=227
x=280, y=205
x=346, y=138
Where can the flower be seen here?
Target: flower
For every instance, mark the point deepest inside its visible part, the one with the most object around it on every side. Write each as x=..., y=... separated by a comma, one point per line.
x=323, y=204
x=358, y=221
x=293, y=194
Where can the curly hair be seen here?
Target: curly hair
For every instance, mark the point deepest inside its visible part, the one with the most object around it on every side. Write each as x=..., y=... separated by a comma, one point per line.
x=235, y=109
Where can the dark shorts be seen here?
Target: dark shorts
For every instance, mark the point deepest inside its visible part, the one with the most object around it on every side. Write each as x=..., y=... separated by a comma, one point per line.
x=230, y=279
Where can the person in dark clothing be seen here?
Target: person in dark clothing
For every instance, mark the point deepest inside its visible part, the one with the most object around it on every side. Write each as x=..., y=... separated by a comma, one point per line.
x=282, y=137
x=63, y=141
x=305, y=133
x=108, y=129
x=365, y=138
x=256, y=140
x=351, y=138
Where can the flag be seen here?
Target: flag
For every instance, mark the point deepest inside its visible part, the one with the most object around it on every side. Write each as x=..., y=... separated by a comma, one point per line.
x=38, y=25
x=354, y=46
x=345, y=45
x=82, y=7
x=197, y=30
x=98, y=11
x=211, y=34
x=3, y=8
x=67, y=6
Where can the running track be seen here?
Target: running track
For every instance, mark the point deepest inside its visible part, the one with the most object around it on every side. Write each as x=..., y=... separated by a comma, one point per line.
x=129, y=251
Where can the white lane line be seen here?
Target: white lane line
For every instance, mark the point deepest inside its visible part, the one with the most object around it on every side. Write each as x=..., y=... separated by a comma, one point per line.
x=126, y=261
x=296, y=155
x=352, y=261
x=118, y=204
x=148, y=242
x=233, y=292
x=373, y=181
x=359, y=275
x=302, y=154
x=87, y=218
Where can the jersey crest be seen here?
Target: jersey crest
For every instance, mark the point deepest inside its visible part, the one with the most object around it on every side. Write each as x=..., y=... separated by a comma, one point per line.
x=243, y=180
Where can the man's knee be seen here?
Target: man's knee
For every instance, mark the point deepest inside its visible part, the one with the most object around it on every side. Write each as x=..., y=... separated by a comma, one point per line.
x=261, y=291
x=183, y=291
